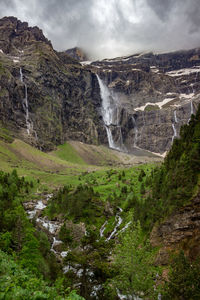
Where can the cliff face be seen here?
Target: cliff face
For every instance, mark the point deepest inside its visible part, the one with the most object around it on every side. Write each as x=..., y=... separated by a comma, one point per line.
x=153, y=96
x=77, y=53
x=180, y=231
x=46, y=97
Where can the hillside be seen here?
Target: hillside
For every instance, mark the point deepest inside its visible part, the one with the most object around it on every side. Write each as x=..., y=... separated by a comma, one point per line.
x=84, y=220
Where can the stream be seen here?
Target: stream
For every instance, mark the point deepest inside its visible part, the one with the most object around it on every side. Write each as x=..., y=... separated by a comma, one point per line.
x=34, y=210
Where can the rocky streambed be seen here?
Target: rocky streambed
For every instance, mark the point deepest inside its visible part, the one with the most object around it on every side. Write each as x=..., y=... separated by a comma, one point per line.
x=34, y=210
x=84, y=275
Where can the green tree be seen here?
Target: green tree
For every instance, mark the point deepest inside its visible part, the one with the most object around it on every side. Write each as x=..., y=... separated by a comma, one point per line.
x=134, y=264
x=184, y=279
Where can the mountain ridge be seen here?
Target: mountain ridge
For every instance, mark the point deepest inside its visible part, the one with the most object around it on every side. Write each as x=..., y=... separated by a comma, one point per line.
x=151, y=95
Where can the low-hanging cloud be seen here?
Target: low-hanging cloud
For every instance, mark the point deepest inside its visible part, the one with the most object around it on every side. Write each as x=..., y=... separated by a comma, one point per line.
x=112, y=28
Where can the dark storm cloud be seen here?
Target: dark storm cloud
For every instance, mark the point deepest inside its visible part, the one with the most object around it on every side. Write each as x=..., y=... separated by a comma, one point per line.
x=112, y=27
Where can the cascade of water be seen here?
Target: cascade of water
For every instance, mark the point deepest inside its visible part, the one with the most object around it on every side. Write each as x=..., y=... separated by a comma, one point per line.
x=191, y=107
x=136, y=132
x=175, y=117
x=118, y=221
x=174, y=127
x=110, y=138
x=191, y=110
x=25, y=106
x=21, y=74
x=103, y=227
x=175, y=133
x=110, y=114
x=29, y=125
x=107, y=107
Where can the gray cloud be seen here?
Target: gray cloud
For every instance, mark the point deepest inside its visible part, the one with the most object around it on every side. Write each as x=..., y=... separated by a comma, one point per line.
x=108, y=28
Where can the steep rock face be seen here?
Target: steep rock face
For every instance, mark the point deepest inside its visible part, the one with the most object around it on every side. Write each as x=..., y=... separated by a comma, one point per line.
x=180, y=231
x=45, y=96
x=77, y=53
x=16, y=34
x=153, y=96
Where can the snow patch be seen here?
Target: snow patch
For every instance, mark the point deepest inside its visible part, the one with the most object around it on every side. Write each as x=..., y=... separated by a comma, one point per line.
x=159, y=104
x=183, y=72
x=86, y=62
x=187, y=96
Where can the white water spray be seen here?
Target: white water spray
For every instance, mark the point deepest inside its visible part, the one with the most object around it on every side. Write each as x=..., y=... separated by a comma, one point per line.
x=29, y=124
x=175, y=117
x=118, y=221
x=175, y=133
x=191, y=108
x=110, y=114
x=102, y=229
x=25, y=103
x=174, y=126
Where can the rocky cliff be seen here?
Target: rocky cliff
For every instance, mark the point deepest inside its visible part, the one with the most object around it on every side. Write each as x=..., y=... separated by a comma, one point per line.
x=151, y=96
x=138, y=101
x=77, y=53
x=46, y=97
x=180, y=231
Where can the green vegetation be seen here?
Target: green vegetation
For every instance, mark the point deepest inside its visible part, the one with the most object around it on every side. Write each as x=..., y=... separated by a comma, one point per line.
x=5, y=135
x=151, y=107
x=17, y=283
x=30, y=248
x=85, y=201
x=172, y=185
x=66, y=152
x=184, y=279
x=134, y=264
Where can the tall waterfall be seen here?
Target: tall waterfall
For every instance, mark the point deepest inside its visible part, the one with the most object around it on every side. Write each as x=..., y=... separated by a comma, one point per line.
x=110, y=114
x=136, y=132
x=29, y=125
x=191, y=110
x=175, y=117
x=175, y=133
x=174, y=127
x=25, y=103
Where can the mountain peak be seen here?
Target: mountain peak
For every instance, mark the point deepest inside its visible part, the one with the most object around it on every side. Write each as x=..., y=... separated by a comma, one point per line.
x=77, y=53
x=16, y=34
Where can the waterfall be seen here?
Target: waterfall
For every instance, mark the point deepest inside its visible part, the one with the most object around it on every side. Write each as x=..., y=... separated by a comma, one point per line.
x=110, y=138
x=29, y=125
x=191, y=108
x=25, y=103
x=21, y=75
x=103, y=227
x=175, y=133
x=110, y=114
x=174, y=127
x=136, y=132
x=175, y=117
x=118, y=221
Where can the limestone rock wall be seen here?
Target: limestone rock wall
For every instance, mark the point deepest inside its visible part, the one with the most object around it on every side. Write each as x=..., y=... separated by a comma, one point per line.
x=62, y=97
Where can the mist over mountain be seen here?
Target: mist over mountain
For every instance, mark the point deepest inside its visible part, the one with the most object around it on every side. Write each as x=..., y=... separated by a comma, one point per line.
x=114, y=28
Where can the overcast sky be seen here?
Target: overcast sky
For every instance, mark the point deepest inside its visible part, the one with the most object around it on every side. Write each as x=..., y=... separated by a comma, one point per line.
x=110, y=28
